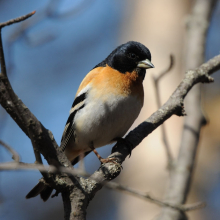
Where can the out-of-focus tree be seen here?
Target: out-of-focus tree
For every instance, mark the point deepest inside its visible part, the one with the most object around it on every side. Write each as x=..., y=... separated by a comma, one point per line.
x=65, y=27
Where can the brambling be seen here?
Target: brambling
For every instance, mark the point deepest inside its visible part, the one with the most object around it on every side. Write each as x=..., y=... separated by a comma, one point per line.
x=108, y=101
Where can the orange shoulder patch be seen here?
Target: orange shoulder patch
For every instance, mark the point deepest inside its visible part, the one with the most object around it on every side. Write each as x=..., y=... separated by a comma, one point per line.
x=88, y=78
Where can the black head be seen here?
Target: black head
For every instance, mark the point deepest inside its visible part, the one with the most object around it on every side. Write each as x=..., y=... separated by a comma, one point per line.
x=128, y=57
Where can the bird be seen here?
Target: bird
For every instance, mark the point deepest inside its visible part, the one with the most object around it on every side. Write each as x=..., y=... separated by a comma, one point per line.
x=107, y=102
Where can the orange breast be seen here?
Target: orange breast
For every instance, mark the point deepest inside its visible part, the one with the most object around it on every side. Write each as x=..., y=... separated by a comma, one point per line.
x=110, y=81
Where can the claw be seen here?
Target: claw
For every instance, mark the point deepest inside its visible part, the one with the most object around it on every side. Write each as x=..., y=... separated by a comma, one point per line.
x=112, y=159
x=107, y=160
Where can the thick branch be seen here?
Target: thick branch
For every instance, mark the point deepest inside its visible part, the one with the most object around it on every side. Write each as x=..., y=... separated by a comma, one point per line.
x=77, y=192
x=41, y=138
x=174, y=106
x=111, y=185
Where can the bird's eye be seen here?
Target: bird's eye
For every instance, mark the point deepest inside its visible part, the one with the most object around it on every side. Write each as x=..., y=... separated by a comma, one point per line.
x=132, y=55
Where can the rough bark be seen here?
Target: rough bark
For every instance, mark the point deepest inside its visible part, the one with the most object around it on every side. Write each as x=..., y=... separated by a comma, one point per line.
x=78, y=192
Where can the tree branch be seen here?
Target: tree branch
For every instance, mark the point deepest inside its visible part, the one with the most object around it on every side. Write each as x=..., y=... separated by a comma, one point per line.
x=77, y=192
x=174, y=106
x=41, y=138
x=147, y=196
x=181, y=175
x=16, y=20
x=15, y=155
x=156, y=80
x=4, y=71
x=111, y=185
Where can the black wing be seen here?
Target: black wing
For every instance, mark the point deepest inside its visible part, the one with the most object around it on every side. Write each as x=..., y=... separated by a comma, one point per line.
x=68, y=133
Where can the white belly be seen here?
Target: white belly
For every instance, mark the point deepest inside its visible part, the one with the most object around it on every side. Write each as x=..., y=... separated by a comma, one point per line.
x=101, y=122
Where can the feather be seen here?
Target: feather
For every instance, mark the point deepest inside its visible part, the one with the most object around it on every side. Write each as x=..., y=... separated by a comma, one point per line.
x=79, y=99
x=69, y=128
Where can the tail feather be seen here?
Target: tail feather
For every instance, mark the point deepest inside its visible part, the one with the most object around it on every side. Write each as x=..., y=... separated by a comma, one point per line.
x=42, y=189
x=45, y=194
x=45, y=190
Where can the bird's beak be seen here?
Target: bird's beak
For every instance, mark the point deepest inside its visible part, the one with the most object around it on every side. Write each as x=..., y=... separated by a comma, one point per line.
x=146, y=64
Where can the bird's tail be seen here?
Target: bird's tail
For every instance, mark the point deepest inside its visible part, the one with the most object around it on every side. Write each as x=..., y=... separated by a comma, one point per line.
x=42, y=189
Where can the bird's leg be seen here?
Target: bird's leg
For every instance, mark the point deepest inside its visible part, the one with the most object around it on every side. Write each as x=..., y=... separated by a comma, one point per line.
x=102, y=160
x=123, y=141
x=95, y=151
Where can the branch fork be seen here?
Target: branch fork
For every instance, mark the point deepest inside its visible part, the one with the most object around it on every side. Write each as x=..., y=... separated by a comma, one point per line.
x=77, y=192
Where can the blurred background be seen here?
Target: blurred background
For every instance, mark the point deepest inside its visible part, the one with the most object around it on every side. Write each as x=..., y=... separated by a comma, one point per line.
x=48, y=55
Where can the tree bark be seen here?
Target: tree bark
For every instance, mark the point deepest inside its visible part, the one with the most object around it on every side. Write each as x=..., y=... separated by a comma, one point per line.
x=181, y=175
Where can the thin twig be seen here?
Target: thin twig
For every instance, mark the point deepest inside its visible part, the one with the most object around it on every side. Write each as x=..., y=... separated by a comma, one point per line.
x=16, y=20
x=110, y=185
x=42, y=168
x=45, y=143
x=15, y=155
x=194, y=206
x=164, y=72
x=120, y=187
x=156, y=80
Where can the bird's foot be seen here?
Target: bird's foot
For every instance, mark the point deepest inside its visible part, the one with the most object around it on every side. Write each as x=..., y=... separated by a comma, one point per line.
x=107, y=160
x=102, y=160
x=110, y=160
